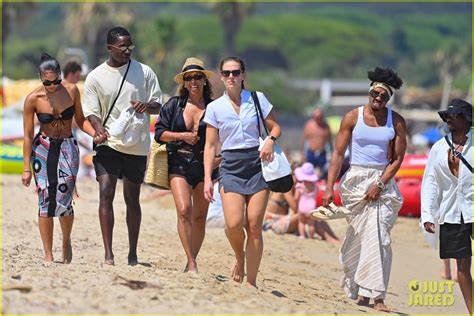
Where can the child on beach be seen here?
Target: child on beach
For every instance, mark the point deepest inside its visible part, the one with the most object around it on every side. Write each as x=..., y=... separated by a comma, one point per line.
x=305, y=195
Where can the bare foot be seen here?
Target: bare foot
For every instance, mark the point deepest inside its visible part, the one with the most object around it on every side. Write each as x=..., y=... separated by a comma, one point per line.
x=362, y=301
x=109, y=261
x=48, y=258
x=252, y=286
x=67, y=252
x=380, y=306
x=191, y=267
x=238, y=271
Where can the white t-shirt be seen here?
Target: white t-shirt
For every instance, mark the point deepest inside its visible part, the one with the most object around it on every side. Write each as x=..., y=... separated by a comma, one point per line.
x=237, y=131
x=101, y=87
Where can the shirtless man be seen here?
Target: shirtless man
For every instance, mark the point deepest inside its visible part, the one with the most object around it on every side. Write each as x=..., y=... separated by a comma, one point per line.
x=314, y=140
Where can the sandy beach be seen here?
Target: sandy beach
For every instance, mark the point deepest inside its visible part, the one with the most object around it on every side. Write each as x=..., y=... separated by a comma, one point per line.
x=296, y=276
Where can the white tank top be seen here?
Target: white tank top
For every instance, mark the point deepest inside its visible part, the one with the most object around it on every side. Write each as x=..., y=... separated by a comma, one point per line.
x=369, y=145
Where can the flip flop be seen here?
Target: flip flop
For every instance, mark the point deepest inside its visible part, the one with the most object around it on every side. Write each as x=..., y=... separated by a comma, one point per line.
x=331, y=212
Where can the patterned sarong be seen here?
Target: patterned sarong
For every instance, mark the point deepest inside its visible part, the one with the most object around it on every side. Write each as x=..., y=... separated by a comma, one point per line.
x=366, y=255
x=55, y=164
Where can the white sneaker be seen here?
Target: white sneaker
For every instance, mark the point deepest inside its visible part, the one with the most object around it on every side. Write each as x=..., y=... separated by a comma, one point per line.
x=120, y=126
x=134, y=132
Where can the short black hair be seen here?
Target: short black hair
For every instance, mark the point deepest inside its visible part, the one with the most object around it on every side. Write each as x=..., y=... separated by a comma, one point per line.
x=71, y=67
x=116, y=32
x=385, y=75
x=48, y=63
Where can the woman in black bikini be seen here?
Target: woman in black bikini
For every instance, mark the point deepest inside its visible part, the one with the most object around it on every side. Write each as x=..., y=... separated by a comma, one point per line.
x=180, y=126
x=52, y=156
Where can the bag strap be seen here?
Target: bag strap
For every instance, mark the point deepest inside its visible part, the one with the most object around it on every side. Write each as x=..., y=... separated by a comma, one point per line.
x=258, y=109
x=457, y=153
x=118, y=94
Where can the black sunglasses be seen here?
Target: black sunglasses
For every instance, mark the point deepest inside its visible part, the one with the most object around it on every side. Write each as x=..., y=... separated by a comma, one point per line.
x=195, y=77
x=384, y=96
x=235, y=73
x=124, y=48
x=48, y=83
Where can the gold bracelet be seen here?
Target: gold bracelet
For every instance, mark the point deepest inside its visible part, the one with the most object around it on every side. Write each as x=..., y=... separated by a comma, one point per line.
x=27, y=171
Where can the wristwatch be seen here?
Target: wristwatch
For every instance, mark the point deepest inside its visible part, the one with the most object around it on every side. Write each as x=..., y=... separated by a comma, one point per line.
x=273, y=138
x=379, y=183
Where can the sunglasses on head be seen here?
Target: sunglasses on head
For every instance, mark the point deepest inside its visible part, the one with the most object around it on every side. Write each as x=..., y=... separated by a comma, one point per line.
x=195, y=77
x=384, y=96
x=124, y=48
x=48, y=83
x=235, y=73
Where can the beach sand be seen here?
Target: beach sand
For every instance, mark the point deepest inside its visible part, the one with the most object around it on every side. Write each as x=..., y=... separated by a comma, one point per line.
x=296, y=276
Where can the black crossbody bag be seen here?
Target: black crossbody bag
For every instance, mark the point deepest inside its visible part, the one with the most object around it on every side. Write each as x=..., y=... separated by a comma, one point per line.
x=94, y=145
x=457, y=154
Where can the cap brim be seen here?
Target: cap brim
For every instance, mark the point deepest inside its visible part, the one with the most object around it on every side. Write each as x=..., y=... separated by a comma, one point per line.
x=179, y=77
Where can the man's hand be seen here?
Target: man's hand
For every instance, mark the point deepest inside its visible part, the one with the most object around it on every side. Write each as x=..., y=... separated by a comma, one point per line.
x=328, y=196
x=139, y=107
x=429, y=227
x=373, y=193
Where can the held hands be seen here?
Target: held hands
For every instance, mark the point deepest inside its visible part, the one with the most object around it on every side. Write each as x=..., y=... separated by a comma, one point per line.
x=429, y=227
x=373, y=193
x=209, y=191
x=139, y=106
x=26, y=178
x=101, y=135
x=266, y=153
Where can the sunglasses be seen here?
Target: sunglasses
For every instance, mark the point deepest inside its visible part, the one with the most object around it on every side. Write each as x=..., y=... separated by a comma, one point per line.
x=48, y=83
x=384, y=96
x=124, y=48
x=453, y=116
x=235, y=73
x=195, y=77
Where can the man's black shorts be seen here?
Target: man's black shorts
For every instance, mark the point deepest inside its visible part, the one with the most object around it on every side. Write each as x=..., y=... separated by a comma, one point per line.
x=455, y=240
x=110, y=161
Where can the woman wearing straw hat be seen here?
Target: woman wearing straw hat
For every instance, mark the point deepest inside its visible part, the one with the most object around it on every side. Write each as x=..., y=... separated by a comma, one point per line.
x=233, y=120
x=180, y=126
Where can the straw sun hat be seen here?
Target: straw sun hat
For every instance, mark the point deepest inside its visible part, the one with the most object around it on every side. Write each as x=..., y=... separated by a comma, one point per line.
x=192, y=64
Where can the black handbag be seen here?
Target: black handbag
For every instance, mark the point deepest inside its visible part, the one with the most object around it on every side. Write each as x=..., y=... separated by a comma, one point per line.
x=285, y=183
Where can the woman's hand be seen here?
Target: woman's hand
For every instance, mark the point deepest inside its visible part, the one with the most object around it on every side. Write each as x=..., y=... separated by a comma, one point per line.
x=26, y=178
x=217, y=162
x=209, y=191
x=189, y=137
x=266, y=153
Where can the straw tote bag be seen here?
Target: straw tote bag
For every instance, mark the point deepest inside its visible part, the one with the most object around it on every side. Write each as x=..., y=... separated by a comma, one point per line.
x=157, y=170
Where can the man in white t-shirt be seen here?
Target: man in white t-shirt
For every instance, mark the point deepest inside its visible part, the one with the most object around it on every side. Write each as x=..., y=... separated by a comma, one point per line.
x=115, y=158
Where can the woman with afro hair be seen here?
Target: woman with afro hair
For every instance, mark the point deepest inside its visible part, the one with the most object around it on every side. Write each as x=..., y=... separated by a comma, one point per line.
x=377, y=139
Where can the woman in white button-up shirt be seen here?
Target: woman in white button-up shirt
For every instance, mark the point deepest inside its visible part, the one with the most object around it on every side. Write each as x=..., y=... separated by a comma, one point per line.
x=446, y=193
x=232, y=120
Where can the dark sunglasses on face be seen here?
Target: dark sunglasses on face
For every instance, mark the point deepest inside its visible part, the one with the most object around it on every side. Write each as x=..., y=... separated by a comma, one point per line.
x=48, y=83
x=195, y=77
x=452, y=116
x=235, y=73
x=384, y=96
x=124, y=48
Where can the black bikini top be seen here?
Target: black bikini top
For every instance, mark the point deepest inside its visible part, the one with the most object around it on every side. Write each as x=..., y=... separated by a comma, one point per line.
x=47, y=118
